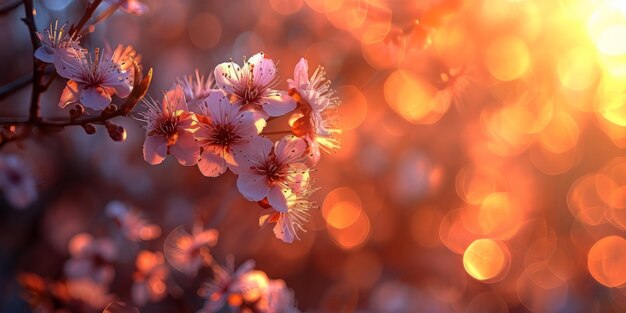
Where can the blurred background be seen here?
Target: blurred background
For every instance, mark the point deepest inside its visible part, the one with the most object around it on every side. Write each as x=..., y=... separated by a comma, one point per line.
x=482, y=166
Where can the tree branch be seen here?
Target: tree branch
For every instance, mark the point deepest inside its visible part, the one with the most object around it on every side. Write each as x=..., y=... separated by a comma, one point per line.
x=75, y=29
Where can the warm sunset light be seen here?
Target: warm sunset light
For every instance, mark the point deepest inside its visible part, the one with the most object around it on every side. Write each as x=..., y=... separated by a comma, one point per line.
x=286, y=156
x=485, y=259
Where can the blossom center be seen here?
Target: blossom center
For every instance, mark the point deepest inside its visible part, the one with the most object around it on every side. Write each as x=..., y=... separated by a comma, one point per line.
x=224, y=135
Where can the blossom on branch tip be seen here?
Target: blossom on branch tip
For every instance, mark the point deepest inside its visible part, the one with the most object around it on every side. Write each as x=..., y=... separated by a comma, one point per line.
x=170, y=127
x=189, y=252
x=298, y=206
x=93, y=79
x=134, y=7
x=317, y=124
x=56, y=40
x=223, y=128
x=251, y=86
x=267, y=170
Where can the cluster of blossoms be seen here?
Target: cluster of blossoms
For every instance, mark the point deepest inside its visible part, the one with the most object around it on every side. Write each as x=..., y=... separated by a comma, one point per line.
x=92, y=77
x=90, y=271
x=219, y=125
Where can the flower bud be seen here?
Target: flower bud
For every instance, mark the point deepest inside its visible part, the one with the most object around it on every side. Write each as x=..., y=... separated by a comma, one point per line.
x=89, y=128
x=116, y=132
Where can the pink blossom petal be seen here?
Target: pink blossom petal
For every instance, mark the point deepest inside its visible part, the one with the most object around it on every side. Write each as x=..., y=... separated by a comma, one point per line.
x=45, y=53
x=277, y=197
x=290, y=149
x=174, y=100
x=263, y=69
x=95, y=97
x=250, y=124
x=122, y=82
x=279, y=103
x=211, y=163
x=69, y=64
x=219, y=109
x=70, y=94
x=155, y=149
x=253, y=151
x=135, y=7
x=313, y=153
x=300, y=75
x=186, y=149
x=226, y=74
x=252, y=187
x=284, y=229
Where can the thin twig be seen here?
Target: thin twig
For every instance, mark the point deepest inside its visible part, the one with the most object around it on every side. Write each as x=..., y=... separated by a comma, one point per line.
x=108, y=12
x=29, y=20
x=15, y=85
x=88, y=13
x=9, y=7
x=278, y=132
x=26, y=126
x=21, y=82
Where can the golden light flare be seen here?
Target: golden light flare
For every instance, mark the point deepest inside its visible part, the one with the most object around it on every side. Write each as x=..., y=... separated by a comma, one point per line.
x=507, y=58
x=486, y=259
x=606, y=261
x=353, y=109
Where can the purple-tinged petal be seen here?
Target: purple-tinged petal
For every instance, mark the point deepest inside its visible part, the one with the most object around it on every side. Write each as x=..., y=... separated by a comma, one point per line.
x=252, y=187
x=263, y=69
x=69, y=63
x=155, y=149
x=277, y=198
x=278, y=103
x=186, y=149
x=290, y=149
x=226, y=76
x=95, y=97
x=211, y=163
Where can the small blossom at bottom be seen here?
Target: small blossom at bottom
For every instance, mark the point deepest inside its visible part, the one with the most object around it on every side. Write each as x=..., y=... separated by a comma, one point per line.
x=150, y=279
x=17, y=182
x=188, y=252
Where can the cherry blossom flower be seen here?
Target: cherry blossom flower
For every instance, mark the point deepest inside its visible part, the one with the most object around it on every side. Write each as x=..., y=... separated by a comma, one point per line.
x=56, y=39
x=188, y=252
x=280, y=298
x=251, y=290
x=223, y=129
x=251, y=86
x=150, y=279
x=17, y=182
x=317, y=123
x=94, y=79
x=225, y=283
x=170, y=127
x=196, y=88
x=298, y=204
x=267, y=170
x=134, y=7
x=130, y=223
x=91, y=259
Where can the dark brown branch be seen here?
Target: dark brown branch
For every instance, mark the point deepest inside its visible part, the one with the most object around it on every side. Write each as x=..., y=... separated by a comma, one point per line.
x=29, y=20
x=139, y=91
x=75, y=29
x=15, y=85
x=9, y=7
